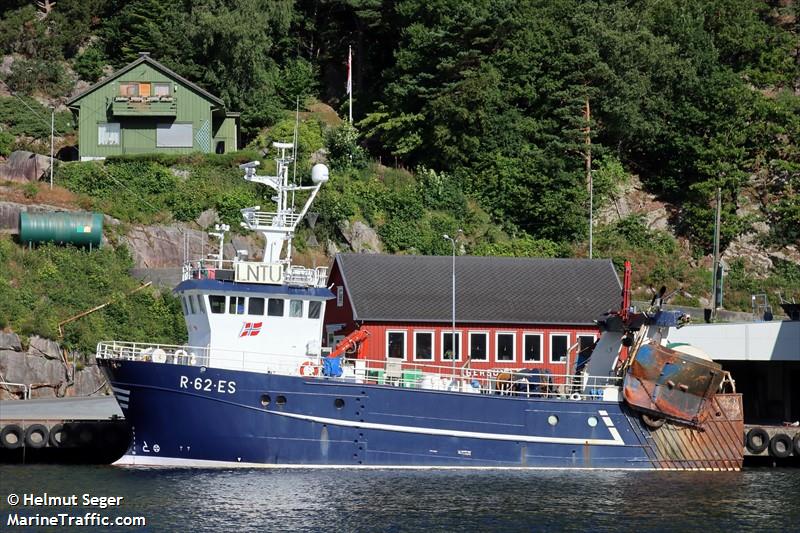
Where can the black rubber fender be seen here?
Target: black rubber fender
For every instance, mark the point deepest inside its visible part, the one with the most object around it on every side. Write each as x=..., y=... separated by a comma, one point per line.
x=57, y=436
x=796, y=445
x=31, y=439
x=653, y=422
x=757, y=440
x=8, y=431
x=780, y=446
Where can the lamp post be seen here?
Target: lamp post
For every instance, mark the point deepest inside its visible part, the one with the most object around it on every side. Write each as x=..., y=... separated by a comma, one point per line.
x=453, y=330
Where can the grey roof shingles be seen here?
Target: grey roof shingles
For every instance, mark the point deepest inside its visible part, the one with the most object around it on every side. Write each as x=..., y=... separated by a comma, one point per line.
x=488, y=289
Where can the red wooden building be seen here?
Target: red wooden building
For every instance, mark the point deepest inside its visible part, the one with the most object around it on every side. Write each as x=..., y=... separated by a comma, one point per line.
x=510, y=313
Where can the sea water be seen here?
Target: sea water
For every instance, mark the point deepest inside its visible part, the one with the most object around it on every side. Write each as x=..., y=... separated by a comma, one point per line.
x=401, y=500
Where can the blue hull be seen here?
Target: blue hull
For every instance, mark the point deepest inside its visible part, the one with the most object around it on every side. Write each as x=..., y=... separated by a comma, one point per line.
x=203, y=416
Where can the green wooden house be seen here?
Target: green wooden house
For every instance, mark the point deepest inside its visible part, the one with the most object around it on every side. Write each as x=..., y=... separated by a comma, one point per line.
x=147, y=108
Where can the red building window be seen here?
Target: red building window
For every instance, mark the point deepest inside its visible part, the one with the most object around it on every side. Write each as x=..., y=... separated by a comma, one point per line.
x=423, y=346
x=478, y=346
x=506, y=345
x=396, y=344
x=447, y=345
x=532, y=349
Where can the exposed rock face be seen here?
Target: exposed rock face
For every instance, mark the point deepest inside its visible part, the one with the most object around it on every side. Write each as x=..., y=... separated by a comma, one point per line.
x=43, y=371
x=23, y=167
x=207, y=218
x=360, y=237
x=634, y=200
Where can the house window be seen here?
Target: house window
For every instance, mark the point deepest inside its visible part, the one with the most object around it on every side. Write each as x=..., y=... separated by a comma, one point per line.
x=275, y=307
x=447, y=345
x=559, y=343
x=396, y=344
x=174, y=135
x=216, y=303
x=129, y=89
x=255, y=306
x=533, y=348
x=423, y=346
x=314, y=309
x=339, y=296
x=236, y=305
x=478, y=346
x=296, y=308
x=161, y=89
x=505, y=347
x=108, y=134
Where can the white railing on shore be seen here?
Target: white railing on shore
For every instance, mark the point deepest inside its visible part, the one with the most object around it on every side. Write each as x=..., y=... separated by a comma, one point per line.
x=462, y=378
x=26, y=390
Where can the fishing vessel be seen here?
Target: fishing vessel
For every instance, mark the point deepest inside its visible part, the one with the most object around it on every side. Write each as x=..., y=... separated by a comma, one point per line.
x=254, y=386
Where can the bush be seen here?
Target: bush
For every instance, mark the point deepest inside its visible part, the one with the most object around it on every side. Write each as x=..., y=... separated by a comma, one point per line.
x=89, y=65
x=6, y=143
x=29, y=76
x=343, y=148
x=25, y=116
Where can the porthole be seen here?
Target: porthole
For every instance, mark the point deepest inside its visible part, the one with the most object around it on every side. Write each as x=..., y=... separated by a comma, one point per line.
x=592, y=421
x=280, y=400
x=338, y=403
x=552, y=420
x=265, y=399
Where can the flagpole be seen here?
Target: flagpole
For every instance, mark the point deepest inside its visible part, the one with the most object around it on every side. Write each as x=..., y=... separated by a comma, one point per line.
x=350, y=80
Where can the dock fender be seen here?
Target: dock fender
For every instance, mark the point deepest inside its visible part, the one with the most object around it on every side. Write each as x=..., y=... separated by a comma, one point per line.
x=56, y=439
x=757, y=440
x=36, y=436
x=780, y=446
x=796, y=445
x=653, y=422
x=11, y=437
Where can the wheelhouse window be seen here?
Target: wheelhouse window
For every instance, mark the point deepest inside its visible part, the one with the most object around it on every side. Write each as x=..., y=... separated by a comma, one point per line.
x=559, y=343
x=108, y=134
x=275, y=307
x=236, y=305
x=255, y=306
x=314, y=309
x=185, y=306
x=447, y=345
x=201, y=304
x=396, y=344
x=478, y=346
x=216, y=303
x=505, y=347
x=532, y=348
x=423, y=346
x=296, y=308
x=191, y=304
x=175, y=135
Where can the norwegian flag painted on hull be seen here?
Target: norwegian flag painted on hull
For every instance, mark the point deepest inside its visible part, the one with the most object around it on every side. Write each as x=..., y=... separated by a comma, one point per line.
x=250, y=329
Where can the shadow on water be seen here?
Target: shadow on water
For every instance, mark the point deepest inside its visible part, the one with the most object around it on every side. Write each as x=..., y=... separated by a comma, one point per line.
x=415, y=500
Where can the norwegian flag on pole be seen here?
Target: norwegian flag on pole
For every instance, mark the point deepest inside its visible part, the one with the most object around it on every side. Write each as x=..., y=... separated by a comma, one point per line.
x=349, y=70
x=250, y=329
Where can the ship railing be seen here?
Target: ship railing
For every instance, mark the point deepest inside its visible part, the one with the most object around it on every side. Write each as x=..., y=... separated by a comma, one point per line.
x=511, y=382
x=207, y=268
x=306, y=277
x=263, y=219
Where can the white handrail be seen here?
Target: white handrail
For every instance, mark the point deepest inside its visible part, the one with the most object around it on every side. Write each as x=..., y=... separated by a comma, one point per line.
x=26, y=390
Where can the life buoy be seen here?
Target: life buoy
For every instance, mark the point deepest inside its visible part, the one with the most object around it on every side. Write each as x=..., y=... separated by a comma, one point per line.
x=11, y=437
x=575, y=396
x=181, y=357
x=757, y=440
x=780, y=446
x=308, y=368
x=36, y=436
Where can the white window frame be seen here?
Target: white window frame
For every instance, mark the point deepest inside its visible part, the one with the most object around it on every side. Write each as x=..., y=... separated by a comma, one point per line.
x=433, y=344
x=339, y=296
x=469, y=345
x=163, y=144
x=108, y=133
x=460, y=344
x=405, y=345
x=497, y=345
x=541, y=347
x=550, y=347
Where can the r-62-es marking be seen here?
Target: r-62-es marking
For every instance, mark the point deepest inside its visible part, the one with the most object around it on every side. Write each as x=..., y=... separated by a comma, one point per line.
x=220, y=386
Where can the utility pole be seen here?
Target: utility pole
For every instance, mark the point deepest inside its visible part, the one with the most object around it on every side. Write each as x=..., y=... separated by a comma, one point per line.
x=716, y=257
x=587, y=115
x=52, y=128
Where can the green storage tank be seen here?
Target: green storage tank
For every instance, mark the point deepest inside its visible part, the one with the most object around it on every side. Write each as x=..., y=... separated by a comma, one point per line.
x=80, y=229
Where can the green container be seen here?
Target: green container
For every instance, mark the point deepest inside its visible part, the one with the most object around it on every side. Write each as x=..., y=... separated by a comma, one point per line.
x=80, y=229
x=412, y=378
x=375, y=375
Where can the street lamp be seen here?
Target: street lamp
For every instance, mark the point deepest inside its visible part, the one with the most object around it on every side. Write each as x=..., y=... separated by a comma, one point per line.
x=453, y=331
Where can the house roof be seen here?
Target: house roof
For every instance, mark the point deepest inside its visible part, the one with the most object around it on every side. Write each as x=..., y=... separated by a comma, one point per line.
x=488, y=289
x=145, y=58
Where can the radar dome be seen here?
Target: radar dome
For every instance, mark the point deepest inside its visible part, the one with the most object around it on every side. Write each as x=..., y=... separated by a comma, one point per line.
x=319, y=173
